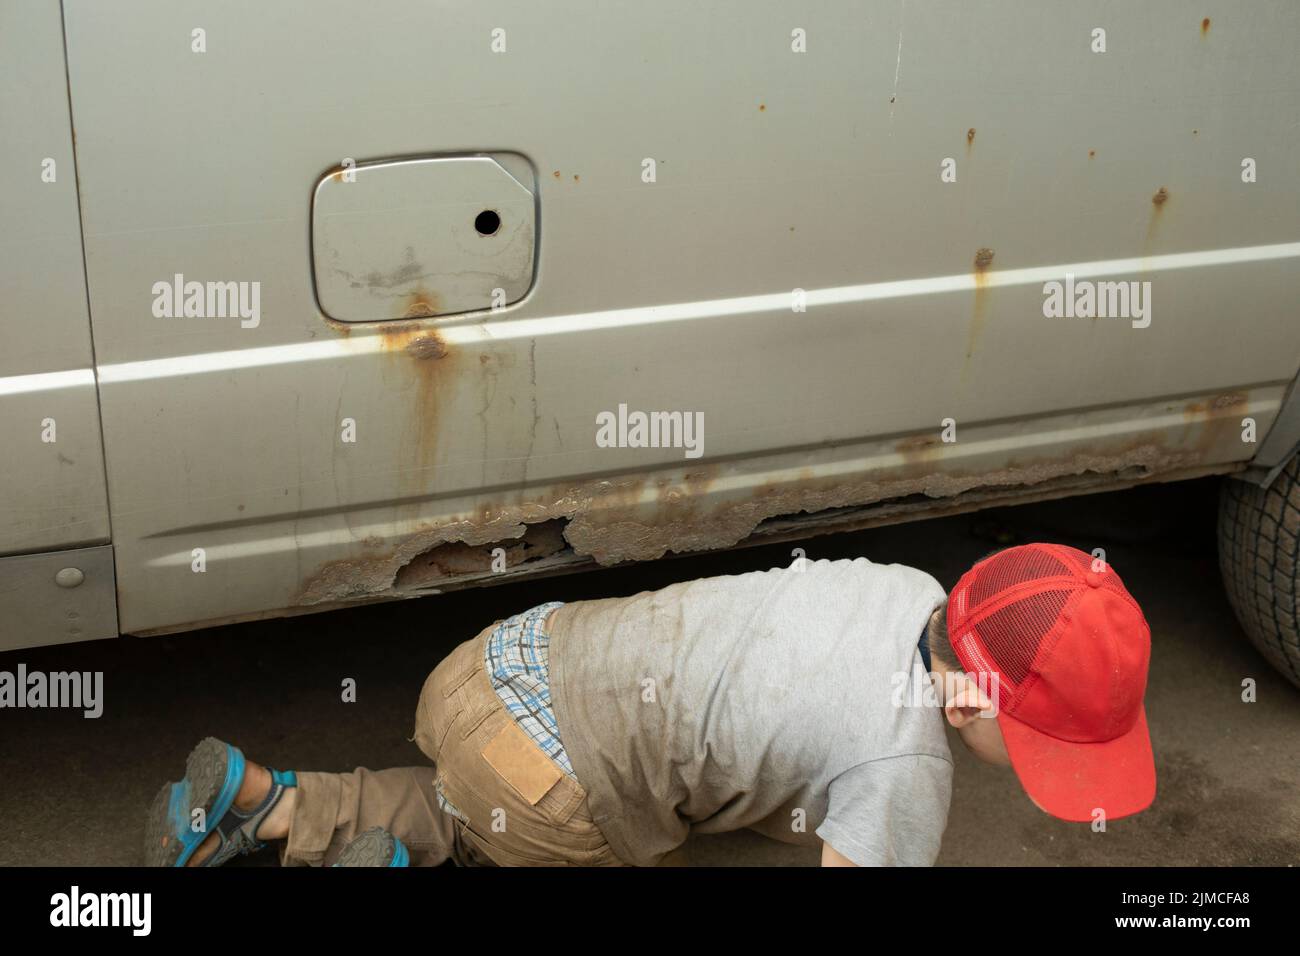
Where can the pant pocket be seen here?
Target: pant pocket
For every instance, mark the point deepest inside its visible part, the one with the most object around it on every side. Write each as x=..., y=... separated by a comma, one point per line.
x=493, y=822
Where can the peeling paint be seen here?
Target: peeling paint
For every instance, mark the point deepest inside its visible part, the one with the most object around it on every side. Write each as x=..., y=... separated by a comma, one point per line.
x=770, y=531
x=638, y=518
x=427, y=346
x=397, y=336
x=457, y=559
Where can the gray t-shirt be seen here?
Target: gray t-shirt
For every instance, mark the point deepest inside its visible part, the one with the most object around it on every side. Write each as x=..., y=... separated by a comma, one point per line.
x=774, y=700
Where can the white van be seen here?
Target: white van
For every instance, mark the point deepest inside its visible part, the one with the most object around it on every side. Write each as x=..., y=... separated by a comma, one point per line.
x=315, y=303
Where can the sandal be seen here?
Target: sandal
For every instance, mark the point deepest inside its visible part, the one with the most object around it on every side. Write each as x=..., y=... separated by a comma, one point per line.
x=214, y=771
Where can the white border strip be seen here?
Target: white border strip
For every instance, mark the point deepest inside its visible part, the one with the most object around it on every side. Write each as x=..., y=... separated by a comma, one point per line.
x=371, y=341
x=47, y=381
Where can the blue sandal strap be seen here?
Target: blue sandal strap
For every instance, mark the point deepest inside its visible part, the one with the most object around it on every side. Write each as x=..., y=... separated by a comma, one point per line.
x=237, y=831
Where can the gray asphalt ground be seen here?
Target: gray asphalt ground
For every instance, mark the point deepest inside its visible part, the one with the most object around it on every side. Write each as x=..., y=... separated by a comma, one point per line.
x=74, y=791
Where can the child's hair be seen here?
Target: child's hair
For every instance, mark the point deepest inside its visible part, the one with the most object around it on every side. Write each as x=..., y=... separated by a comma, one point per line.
x=938, y=639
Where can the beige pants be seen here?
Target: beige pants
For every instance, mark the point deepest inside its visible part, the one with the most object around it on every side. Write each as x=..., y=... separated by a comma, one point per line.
x=514, y=806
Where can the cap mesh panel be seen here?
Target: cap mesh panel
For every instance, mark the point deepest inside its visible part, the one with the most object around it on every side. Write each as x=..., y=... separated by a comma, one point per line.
x=1013, y=634
x=1009, y=568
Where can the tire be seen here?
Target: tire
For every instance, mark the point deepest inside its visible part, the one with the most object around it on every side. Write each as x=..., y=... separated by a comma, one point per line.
x=1258, y=533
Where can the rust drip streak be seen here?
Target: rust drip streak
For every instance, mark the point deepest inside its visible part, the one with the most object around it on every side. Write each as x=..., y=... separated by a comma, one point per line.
x=983, y=259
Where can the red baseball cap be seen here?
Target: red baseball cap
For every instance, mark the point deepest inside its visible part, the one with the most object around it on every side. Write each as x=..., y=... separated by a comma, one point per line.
x=1070, y=649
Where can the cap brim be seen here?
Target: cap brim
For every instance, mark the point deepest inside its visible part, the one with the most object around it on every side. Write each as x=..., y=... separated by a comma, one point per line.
x=1073, y=780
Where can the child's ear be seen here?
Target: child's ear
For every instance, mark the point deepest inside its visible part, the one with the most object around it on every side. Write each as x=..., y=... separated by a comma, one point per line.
x=965, y=700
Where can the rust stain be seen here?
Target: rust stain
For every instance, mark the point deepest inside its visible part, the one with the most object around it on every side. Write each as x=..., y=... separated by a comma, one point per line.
x=421, y=368
x=699, y=481
x=342, y=328
x=762, y=107
x=970, y=139
x=920, y=453
x=556, y=174
x=1227, y=403
x=1205, y=26
x=910, y=447
x=421, y=304
x=1213, y=426
x=434, y=381
x=983, y=259
x=575, y=177
x=335, y=173
x=413, y=338
x=1092, y=153
x=396, y=336
x=1157, y=206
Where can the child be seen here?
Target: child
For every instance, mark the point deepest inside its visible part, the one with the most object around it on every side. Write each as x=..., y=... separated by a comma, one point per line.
x=603, y=732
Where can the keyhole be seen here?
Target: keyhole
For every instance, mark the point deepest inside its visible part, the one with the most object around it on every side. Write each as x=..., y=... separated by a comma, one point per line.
x=487, y=223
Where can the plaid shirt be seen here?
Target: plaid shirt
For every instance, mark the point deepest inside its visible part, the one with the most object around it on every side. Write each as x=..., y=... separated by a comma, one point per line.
x=517, y=661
